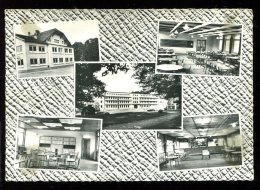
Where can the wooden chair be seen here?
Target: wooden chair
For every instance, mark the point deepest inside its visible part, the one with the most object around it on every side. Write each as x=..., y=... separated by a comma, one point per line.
x=33, y=159
x=75, y=165
x=61, y=163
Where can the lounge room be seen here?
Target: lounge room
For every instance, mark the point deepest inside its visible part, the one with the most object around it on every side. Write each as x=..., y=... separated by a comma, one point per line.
x=199, y=48
x=208, y=141
x=58, y=143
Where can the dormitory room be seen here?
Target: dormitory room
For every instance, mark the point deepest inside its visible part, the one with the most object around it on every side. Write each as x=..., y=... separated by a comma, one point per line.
x=199, y=48
x=208, y=141
x=58, y=143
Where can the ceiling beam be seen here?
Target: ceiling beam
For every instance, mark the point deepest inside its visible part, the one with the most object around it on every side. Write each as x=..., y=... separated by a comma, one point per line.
x=213, y=29
x=217, y=34
x=228, y=31
x=176, y=27
x=196, y=27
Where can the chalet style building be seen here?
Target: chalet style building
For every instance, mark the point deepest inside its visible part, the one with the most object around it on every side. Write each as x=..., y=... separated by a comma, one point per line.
x=43, y=50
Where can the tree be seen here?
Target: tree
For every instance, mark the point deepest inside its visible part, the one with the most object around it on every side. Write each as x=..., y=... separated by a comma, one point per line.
x=89, y=51
x=88, y=85
x=168, y=86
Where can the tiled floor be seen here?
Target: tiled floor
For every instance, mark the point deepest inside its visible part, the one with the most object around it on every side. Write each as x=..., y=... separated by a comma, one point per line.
x=88, y=165
x=193, y=162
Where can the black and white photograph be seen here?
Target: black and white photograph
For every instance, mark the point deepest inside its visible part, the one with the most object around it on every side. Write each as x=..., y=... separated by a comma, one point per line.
x=186, y=47
x=128, y=96
x=50, y=49
x=205, y=142
x=58, y=143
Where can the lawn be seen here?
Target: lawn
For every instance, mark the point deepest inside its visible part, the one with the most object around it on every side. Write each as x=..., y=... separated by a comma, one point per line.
x=140, y=120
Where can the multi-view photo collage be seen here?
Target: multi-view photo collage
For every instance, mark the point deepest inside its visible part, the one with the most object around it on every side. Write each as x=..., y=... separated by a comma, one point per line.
x=128, y=96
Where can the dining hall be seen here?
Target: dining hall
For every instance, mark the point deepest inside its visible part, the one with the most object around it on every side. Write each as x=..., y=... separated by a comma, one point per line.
x=205, y=142
x=199, y=48
x=58, y=143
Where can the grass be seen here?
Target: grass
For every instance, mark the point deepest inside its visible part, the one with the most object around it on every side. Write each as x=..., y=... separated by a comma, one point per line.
x=151, y=120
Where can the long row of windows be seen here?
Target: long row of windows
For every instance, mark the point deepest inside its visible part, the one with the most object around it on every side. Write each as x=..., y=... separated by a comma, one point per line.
x=115, y=98
x=230, y=43
x=61, y=50
x=116, y=106
x=62, y=60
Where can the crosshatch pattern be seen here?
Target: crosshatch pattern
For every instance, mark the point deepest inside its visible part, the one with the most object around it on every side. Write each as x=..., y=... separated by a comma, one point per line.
x=130, y=35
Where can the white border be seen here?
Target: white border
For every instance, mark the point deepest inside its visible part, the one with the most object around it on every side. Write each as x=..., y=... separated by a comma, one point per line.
x=207, y=75
x=57, y=117
x=206, y=168
x=127, y=62
x=57, y=75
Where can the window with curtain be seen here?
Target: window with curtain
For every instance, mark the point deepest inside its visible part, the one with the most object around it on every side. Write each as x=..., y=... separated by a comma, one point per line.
x=236, y=43
x=227, y=43
x=169, y=145
x=220, y=44
x=21, y=136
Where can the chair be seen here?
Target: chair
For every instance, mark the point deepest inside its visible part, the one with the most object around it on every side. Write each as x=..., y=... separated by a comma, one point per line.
x=205, y=153
x=33, y=159
x=61, y=163
x=74, y=166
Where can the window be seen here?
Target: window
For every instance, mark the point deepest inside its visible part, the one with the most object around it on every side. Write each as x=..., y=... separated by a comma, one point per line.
x=33, y=61
x=32, y=48
x=42, y=60
x=54, y=49
x=41, y=48
x=21, y=134
x=56, y=41
x=227, y=43
x=55, y=60
x=236, y=44
x=66, y=50
x=66, y=59
x=62, y=42
x=60, y=49
x=20, y=62
x=19, y=48
x=61, y=60
x=70, y=59
x=70, y=50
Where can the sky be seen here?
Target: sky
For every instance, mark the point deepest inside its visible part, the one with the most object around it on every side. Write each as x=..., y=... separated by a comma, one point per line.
x=75, y=31
x=120, y=82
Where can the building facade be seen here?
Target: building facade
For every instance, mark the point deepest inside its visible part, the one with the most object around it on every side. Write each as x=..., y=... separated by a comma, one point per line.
x=130, y=101
x=43, y=50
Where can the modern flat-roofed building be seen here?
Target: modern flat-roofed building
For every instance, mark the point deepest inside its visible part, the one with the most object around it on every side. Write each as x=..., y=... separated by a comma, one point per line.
x=43, y=50
x=130, y=101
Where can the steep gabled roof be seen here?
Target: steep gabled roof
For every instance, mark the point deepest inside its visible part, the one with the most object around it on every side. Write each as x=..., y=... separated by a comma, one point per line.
x=30, y=39
x=44, y=36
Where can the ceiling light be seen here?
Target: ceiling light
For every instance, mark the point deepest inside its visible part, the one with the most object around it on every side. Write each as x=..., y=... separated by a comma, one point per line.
x=186, y=27
x=203, y=120
x=41, y=127
x=191, y=36
x=201, y=35
x=205, y=37
x=53, y=124
x=202, y=129
x=176, y=32
x=72, y=128
x=234, y=124
x=28, y=121
x=71, y=121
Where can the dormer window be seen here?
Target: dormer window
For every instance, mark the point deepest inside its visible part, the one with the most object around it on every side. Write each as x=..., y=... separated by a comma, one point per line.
x=56, y=41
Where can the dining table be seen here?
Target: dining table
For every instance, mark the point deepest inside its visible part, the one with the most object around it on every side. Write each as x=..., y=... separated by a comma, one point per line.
x=169, y=68
x=236, y=155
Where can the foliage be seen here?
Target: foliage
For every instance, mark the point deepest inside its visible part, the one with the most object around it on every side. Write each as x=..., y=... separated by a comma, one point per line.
x=168, y=86
x=88, y=85
x=89, y=51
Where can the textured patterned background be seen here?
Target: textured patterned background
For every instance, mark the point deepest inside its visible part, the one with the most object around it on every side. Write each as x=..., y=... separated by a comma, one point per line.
x=130, y=35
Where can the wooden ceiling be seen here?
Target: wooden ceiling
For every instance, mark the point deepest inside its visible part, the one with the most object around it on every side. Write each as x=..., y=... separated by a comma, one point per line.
x=197, y=28
x=207, y=126
x=47, y=123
